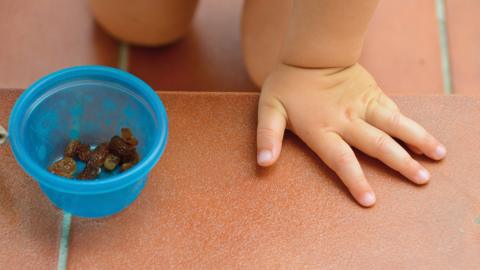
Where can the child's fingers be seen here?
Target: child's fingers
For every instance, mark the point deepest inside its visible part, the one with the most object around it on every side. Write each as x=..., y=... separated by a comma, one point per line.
x=338, y=155
x=387, y=102
x=390, y=104
x=378, y=144
x=414, y=149
x=270, y=130
x=405, y=129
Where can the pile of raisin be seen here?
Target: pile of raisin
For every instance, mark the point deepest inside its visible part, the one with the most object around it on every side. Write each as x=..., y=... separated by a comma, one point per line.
x=120, y=151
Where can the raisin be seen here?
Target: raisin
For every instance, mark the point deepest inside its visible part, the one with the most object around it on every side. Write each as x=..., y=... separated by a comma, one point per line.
x=83, y=152
x=71, y=149
x=121, y=150
x=132, y=158
x=65, y=167
x=89, y=173
x=130, y=161
x=111, y=162
x=126, y=166
x=128, y=137
x=98, y=156
x=119, y=147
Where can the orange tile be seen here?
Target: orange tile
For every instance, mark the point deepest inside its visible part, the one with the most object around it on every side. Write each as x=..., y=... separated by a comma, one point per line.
x=29, y=224
x=402, y=47
x=208, y=206
x=42, y=36
x=464, y=42
x=209, y=57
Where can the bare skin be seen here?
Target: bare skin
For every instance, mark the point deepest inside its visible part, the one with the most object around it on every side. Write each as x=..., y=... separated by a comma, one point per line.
x=319, y=91
x=145, y=22
x=304, y=54
x=333, y=108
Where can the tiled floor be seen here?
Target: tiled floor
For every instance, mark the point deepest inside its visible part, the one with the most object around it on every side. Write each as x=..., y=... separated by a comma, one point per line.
x=208, y=58
x=29, y=224
x=402, y=43
x=402, y=47
x=464, y=37
x=39, y=37
x=225, y=212
x=208, y=206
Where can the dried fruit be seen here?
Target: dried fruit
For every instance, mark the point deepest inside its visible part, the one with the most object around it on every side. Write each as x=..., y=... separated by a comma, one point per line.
x=71, y=149
x=111, y=162
x=128, y=137
x=126, y=166
x=98, y=156
x=89, y=173
x=130, y=161
x=83, y=152
x=120, y=148
x=65, y=167
x=132, y=158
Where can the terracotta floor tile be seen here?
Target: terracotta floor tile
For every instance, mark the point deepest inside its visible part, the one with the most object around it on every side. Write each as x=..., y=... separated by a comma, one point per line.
x=209, y=57
x=29, y=224
x=464, y=40
x=208, y=206
x=402, y=47
x=39, y=37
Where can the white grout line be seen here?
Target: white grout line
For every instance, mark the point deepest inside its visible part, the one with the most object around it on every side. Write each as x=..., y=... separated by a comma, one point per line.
x=444, y=51
x=63, y=249
x=123, y=51
x=3, y=135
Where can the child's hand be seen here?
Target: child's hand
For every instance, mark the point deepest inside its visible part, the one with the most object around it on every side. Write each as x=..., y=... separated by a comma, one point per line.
x=330, y=109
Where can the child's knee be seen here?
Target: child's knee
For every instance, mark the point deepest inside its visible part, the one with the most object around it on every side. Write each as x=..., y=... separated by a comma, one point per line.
x=145, y=22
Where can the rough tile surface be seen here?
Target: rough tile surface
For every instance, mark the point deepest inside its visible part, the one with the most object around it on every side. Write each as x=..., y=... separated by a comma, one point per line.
x=402, y=47
x=29, y=224
x=464, y=41
x=208, y=206
x=42, y=36
x=209, y=57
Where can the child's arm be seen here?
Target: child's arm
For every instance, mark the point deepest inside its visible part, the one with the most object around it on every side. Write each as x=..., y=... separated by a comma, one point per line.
x=320, y=93
x=326, y=33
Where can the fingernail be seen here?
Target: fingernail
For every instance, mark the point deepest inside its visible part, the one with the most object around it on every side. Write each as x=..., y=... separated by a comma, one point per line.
x=440, y=152
x=423, y=176
x=264, y=156
x=368, y=199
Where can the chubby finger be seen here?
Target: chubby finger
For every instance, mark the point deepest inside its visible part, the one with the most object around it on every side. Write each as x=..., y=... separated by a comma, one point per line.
x=405, y=129
x=387, y=102
x=380, y=145
x=339, y=156
x=414, y=149
x=270, y=130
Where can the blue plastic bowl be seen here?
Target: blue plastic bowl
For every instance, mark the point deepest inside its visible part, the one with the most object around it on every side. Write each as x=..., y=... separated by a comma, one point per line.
x=91, y=103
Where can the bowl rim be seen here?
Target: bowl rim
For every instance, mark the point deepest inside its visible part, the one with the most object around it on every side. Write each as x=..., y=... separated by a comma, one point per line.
x=44, y=177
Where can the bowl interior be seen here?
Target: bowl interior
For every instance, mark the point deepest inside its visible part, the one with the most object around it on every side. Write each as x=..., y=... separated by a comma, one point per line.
x=88, y=109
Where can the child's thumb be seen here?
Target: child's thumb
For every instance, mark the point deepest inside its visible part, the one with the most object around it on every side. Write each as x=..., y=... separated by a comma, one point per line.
x=270, y=130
